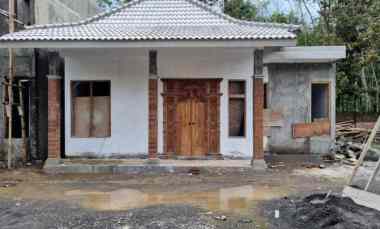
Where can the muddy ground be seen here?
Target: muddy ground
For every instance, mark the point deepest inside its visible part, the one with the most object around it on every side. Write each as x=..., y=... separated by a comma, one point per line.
x=216, y=198
x=316, y=211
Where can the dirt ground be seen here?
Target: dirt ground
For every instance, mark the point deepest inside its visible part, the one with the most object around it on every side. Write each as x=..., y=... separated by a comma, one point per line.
x=216, y=198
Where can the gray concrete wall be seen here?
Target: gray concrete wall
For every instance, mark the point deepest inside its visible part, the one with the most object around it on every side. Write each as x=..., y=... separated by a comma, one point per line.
x=35, y=64
x=289, y=93
x=24, y=67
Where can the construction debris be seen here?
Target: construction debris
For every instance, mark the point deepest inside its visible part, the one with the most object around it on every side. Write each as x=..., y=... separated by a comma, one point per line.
x=324, y=211
x=350, y=142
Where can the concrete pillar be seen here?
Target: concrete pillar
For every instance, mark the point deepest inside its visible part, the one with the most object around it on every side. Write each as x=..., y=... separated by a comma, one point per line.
x=54, y=118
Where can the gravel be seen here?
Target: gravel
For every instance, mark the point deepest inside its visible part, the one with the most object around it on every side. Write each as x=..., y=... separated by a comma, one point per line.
x=41, y=215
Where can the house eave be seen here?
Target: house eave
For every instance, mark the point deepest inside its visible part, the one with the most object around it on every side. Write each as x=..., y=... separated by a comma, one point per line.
x=306, y=54
x=149, y=44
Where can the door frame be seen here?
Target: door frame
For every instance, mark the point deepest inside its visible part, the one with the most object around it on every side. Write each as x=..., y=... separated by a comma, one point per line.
x=209, y=90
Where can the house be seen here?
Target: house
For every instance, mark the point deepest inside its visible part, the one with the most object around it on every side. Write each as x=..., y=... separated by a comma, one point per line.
x=180, y=79
x=31, y=68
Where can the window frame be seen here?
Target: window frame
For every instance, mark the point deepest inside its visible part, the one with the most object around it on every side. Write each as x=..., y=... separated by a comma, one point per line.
x=242, y=97
x=72, y=114
x=328, y=84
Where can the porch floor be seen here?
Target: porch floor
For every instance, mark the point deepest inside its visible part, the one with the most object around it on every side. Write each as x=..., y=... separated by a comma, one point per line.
x=139, y=165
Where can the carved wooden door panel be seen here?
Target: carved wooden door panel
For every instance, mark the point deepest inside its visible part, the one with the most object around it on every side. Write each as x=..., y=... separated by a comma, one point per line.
x=191, y=117
x=183, y=120
x=191, y=127
x=198, y=128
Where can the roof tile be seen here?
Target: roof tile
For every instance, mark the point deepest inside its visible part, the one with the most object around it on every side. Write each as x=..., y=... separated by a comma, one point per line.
x=157, y=20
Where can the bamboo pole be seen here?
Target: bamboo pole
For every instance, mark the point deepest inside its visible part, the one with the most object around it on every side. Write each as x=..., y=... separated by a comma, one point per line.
x=11, y=22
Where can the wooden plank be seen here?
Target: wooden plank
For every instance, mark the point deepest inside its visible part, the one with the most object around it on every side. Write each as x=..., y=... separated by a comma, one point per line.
x=101, y=117
x=82, y=120
x=370, y=140
x=365, y=150
x=272, y=118
x=304, y=130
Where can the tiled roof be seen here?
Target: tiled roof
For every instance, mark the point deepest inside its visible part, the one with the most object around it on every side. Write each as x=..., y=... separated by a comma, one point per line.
x=156, y=20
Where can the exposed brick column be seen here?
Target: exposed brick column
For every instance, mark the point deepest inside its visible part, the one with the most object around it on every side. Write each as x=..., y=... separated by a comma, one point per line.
x=258, y=126
x=258, y=161
x=54, y=117
x=153, y=122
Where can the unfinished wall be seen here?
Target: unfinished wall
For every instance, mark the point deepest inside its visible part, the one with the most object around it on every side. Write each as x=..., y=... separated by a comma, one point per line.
x=289, y=96
x=34, y=64
x=24, y=69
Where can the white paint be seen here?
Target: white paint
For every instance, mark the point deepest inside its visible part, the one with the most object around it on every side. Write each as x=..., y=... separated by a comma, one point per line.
x=312, y=54
x=229, y=64
x=128, y=73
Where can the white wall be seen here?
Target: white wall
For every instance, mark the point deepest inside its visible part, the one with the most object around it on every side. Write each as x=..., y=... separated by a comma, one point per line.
x=128, y=73
x=212, y=63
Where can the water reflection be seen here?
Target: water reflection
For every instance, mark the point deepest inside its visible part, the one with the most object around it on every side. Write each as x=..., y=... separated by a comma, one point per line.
x=235, y=199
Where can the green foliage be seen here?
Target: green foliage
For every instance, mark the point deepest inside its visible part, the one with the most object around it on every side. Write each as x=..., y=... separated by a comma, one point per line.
x=110, y=3
x=241, y=9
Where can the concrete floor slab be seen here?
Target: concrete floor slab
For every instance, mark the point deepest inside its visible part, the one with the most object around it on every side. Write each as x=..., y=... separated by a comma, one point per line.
x=138, y=165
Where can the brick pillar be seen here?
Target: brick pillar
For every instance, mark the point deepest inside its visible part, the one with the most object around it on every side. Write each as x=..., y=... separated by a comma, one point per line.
x=153, y=122
x=258, y=161
x=258, y=122
x=54, y=117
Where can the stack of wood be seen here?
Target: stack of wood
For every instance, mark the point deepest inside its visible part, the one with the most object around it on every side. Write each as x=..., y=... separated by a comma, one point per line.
x=350, y=132
x=350, y=141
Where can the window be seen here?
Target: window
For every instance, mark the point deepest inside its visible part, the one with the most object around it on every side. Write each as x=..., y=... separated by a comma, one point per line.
x=236, y=108
x=153, y=63
x=320, y=101
x=265, y=96
x=91, y=109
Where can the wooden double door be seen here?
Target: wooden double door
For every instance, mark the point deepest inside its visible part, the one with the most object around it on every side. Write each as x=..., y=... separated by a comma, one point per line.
x=191, y=117
x=191, y=124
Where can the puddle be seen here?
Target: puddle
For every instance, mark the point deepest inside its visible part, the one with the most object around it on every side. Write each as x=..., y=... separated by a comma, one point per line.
x=239, y=199
x=235, y=199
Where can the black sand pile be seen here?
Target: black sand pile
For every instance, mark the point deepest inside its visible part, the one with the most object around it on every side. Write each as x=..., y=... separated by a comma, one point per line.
x=318, y=211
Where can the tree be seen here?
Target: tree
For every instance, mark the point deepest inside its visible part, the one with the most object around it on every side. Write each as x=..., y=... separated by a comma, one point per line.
x=111, y=3
x=241, y=9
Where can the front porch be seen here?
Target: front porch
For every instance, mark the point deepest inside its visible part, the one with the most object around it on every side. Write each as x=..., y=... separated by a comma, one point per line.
x=143, y=166
x=172, y=103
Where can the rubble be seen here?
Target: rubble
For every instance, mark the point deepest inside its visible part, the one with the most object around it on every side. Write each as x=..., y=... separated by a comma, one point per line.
x=322, y=211
x=349, y=144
